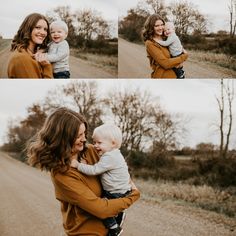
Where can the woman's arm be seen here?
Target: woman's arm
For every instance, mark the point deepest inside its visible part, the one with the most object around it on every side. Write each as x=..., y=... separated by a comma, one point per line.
x=23, y=66
x=47, y=71
x=157, y=54
x=76, y=192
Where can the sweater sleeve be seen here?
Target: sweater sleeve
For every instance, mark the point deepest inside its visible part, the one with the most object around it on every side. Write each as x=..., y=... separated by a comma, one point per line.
x=47, y=71
x=100, y=167
x=78, y=193
x=24, y=66
x=61, y=53
x=167, y=42
x=21, y=68
x=167, y=63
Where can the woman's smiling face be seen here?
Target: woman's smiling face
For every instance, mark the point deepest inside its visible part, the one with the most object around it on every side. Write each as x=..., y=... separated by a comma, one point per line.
x=39, y=32
x=159, y=28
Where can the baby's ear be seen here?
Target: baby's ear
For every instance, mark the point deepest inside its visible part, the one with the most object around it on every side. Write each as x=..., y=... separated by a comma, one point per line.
x=114, y=144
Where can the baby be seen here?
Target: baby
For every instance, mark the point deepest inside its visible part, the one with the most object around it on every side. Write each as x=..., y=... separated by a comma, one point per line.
x=175, y=46
x=113, y=169
x=58, y=50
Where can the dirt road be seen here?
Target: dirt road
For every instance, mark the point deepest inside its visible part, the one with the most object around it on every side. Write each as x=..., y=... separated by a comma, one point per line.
x=79, y=68
x=133, y=63
x=28, y=207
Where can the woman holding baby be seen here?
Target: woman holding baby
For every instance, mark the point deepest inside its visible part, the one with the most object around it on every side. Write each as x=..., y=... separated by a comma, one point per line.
x=159, y=56
x=32, y=35
x=61, y=141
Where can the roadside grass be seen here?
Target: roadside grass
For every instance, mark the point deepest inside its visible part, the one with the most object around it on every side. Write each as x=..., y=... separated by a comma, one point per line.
x=219, y=59
x=213, y=199
x=107, y=62
x=4, y=43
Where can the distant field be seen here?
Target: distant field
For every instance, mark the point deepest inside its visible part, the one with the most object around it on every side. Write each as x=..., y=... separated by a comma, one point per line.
x=4, y=43
x=182, y=158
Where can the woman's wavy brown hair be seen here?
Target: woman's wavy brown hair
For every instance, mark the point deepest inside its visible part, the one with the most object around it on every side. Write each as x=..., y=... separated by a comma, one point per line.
x=51, y=147
x=149, y=24
x=23, y=35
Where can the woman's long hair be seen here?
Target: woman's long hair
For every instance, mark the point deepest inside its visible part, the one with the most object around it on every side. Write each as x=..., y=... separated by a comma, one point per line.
x=23, y=35
x=148, y=31
x=51, y=148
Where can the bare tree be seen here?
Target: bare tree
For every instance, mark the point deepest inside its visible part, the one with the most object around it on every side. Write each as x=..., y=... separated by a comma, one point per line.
x=81, y=96
x=187, y=18
x=167, y=130
x=153, y=6
x=232, y=12
x=91, y=26
x=226, y=116
x=131, y=110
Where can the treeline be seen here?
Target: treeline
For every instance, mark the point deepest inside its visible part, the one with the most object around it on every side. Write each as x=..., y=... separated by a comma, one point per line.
x=144, y=123
x=88, y=30
x=190, y=23
x=151, y=135
x=197, y=168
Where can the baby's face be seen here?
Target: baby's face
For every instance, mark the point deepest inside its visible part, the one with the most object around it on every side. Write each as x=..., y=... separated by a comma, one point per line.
x=57, y=34
x=168, y=30
x=102, y=145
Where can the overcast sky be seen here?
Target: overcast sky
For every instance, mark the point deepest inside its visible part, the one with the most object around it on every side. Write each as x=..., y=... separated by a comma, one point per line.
x=13, y=12
x=216, y=10
x=194, y=99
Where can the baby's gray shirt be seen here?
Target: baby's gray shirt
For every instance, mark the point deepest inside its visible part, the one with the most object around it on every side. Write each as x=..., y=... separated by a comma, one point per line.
x=174, y=44
x=58, y=55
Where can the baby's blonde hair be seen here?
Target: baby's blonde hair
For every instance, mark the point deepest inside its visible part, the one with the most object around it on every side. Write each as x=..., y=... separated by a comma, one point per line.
x=109, y=131
x=170, y=24
x=60, y=24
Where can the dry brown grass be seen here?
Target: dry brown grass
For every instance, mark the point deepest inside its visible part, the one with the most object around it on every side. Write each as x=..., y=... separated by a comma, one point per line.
x=206, y=197
x=4, y=43
x=220, y=59
x=108, y=63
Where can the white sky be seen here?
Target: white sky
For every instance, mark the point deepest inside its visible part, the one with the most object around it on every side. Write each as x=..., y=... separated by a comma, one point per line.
x=216, y=10
x=13, y=12
x=194, y=99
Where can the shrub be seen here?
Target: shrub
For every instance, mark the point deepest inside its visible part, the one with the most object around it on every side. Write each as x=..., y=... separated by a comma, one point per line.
x=221, y=172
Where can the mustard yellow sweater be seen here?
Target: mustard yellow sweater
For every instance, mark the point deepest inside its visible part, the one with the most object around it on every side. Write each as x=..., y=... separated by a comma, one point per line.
x=161, y=61
x=22, y=65
x=81, y=204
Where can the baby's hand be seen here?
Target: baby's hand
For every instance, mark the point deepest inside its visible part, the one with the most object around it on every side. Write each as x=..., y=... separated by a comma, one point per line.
x=74, y=163
x=83, y=161
x=41, y=58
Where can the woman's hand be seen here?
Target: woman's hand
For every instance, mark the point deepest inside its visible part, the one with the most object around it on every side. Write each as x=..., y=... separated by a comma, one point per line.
x=184, y=51
x=133, y=186
x=180, y=65
x=74, y=163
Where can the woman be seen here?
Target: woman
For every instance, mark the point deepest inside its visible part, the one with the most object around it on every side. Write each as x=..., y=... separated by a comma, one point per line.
x=32, y=35
x=62, y=139
x=159, y=56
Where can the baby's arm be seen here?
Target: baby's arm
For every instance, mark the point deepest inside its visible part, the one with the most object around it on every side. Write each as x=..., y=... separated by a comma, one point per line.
x=100, y=167
x=167, y=42
x=62, y=52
